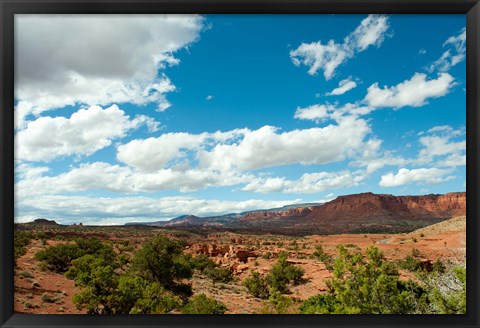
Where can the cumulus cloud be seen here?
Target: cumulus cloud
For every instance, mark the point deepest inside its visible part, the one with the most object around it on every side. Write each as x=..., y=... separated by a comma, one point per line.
x=454, y=55
x=343, y=87
x=327, y=57
x=404, y=176
x=123, y=179
x=83, y=133
x=267, y=147
x=65, y=60
x=439, y=142
x=314, y=113
x=105, y=210
x=414, y=92
x=308, y=183
x=157, y=153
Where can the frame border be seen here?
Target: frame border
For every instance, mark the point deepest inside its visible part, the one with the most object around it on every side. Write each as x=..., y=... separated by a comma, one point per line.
x=8, y=8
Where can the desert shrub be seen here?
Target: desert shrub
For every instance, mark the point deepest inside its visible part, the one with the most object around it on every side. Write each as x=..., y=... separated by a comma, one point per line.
x=452, y=300
x=410, y=263
x=283, y=274
x=30, y=305
x=281, y=304
x=49, y=298
x=155, y=300
x=438, y=266
x=59, y=258
x=200, y=304
x=202, y=262
x=447, y=289
x=323, y=257
x=21, y=240
x=256, y=285
x=367, y=286
x=266, y=255
x=25, y=274
x=98, y=297
x=96, y=247
x=416, y=252
x=161, y=260
x=325, y=304
x=219, y=274
x=82, y=267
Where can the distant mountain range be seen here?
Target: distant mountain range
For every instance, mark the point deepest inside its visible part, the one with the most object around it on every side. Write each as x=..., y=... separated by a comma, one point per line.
x=358, y=213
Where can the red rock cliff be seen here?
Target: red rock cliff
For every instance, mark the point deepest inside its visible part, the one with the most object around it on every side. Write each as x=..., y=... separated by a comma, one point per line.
x=369, y=208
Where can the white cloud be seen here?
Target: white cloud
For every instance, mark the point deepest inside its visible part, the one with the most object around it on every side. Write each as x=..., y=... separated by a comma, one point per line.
x=96, y=59
x=452, y=56
x=100, y=211
x=85, y=132
x=209, y=97
x=370, y=32
x=380, y=160
x=123, y=179
x=329, y=56
x=314, y=113
x=422, y=51
x=317, y=56
x=308, y=183
x=152, y=154
x=429, y=176
x=266, y=147
x=438, y=142
x=343, y=87
x=414, y=92
x=155, y=153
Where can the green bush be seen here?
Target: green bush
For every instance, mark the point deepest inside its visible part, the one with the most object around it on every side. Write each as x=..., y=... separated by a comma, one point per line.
x=439, y=266
x=325, y=304
x=162, y=260
x=200, y=304
x=266, y=255
x=446, y=289
x=156, y=300
x=256, y=285
x=219, y=274
x=366, y=286
x=323, y=257
x=58, y=258
x=21, y=240
x=284, y=273
x=98, y=297
x=202, y=262
x=281, y=303
x=410, y=263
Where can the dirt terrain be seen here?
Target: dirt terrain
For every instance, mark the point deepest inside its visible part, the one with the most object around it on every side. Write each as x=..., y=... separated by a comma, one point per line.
x=41, y=291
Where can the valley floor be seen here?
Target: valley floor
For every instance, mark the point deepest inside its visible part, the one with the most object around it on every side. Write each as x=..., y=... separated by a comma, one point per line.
x=41, y=291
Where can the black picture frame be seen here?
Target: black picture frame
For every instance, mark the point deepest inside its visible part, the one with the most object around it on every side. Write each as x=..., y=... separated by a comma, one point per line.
x=471, y=8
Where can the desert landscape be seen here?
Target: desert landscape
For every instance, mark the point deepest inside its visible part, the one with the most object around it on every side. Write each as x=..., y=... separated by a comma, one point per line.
x=266, y=261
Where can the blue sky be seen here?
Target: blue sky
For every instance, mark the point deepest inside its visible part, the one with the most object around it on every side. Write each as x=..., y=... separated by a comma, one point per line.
x=141, y=118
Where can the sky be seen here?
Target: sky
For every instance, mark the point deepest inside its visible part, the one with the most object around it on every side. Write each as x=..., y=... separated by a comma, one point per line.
x=139, y=118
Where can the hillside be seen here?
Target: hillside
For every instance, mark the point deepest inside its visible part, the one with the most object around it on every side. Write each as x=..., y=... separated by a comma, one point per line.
x=358, y=213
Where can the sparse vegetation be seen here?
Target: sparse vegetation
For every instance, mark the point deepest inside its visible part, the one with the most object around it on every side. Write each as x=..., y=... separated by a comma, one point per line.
x=201, y=304
x=323, y=257
x=142, y=271
x=256, y=285
x=366, y=286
